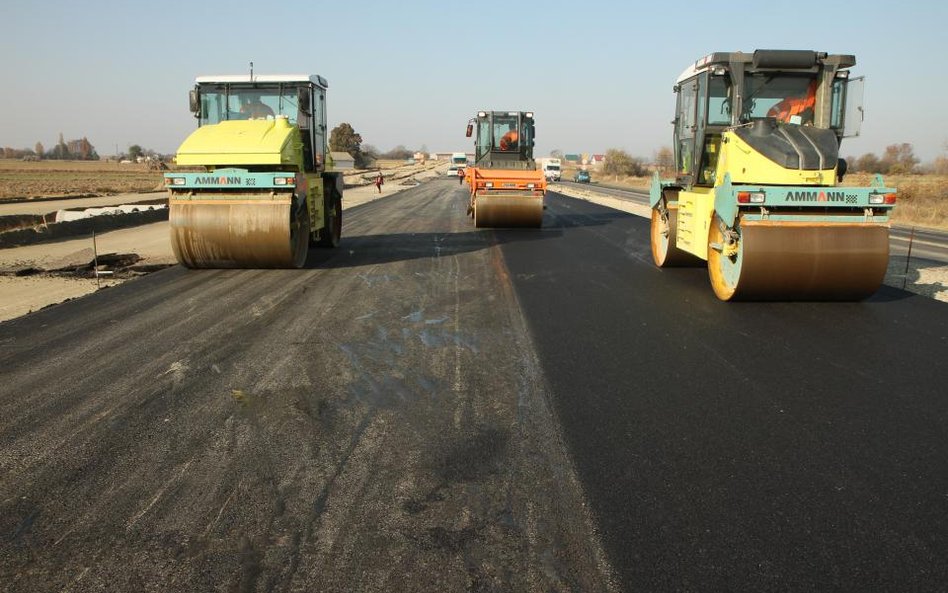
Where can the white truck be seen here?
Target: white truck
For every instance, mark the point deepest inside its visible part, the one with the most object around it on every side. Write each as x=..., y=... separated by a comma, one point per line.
x=458, y=161
x=552, y=169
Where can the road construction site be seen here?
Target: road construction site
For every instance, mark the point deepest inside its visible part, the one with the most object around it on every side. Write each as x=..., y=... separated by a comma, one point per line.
x=437, y=407
x=484, y=384
x=41, y=274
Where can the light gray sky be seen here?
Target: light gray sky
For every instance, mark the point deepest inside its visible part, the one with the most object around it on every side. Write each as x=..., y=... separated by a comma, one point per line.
x=598, y=74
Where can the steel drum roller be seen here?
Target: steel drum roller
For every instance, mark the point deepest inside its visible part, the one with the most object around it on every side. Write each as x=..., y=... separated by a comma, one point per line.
x=800, y=261
x=508, y=211
x=664, y=252
x=238, y=233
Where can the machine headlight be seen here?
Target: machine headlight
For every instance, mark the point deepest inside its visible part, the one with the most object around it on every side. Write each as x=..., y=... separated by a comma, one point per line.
x=284, y=181
x=531, y=185
x=489, y=184
x=529, y=115
x=174, y=180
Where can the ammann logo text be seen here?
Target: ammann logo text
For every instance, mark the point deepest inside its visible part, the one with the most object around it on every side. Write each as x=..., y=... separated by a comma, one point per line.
x=817, y=196
x=211, y=180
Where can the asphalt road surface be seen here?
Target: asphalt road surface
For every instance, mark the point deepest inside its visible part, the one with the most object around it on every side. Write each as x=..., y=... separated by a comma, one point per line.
x=437, y=408
x=375, y=422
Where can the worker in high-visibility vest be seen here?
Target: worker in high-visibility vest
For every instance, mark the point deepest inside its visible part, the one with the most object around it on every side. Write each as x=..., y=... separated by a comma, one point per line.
x=509, y=140
x=802, y=106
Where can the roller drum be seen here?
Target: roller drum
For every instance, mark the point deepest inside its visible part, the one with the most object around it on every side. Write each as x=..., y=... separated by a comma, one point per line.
x=238, y=233
x=664, y=252
x=799, y=261
x=508, y=211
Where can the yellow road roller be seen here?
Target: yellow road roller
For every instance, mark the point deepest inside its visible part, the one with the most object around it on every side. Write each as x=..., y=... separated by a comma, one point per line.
x=259, y=189
x=758, y=192
x=507, y=187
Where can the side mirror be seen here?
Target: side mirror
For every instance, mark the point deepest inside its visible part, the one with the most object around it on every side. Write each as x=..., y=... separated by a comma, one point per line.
x=194, y=100
x=470, y=130
x=302, y=96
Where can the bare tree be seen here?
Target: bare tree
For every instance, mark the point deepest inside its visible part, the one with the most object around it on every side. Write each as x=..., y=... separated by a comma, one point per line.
x=664, y=159
x=619, y=162
x=899, y=158
x=38, y=149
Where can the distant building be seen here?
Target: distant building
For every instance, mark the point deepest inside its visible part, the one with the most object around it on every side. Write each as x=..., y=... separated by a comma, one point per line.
x=342, y=161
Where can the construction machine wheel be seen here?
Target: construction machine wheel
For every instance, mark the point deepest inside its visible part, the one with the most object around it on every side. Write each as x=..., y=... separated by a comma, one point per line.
x=244, y=232
x=761, y=260
x=663, y=230
x=332, y=219
x=508, y=211
x=299, y=236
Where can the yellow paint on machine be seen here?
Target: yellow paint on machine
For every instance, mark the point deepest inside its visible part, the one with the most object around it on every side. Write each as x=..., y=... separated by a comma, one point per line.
x=746, y=165
x=243, y=143
x=695, y=211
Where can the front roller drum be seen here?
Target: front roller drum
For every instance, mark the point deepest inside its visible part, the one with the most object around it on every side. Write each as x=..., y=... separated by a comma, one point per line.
x=236, y=233
x=663, y=232
x=508, y=211
x=797, y=261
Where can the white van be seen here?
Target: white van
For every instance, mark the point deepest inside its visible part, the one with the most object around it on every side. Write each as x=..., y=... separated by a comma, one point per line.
x=551, y=169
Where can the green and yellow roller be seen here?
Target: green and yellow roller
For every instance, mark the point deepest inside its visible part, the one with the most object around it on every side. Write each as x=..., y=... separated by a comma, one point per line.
x=260, y=190
x=758, y=193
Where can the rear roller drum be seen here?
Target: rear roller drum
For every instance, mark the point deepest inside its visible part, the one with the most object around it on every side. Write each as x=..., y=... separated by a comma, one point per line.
x=299, y=237
x=331, y=233
x=664, y=252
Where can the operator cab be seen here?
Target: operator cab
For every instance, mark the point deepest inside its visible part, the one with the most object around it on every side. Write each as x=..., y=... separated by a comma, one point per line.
x=504, y=139
x=299, y=98
x=793, y=106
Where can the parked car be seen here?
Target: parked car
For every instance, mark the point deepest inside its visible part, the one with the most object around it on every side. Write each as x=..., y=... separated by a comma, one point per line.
x=581, y=177
x=453, y=171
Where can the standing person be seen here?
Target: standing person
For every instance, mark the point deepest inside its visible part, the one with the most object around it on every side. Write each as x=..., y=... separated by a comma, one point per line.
x=379, y=181
x=460, y=176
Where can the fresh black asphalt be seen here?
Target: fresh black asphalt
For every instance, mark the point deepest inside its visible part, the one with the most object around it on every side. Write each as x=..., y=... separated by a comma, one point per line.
x=739, y=446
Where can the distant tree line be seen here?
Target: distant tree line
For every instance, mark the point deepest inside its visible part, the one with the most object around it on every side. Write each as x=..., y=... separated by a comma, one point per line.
x=897, y=158
x=74, y=150
x=344, y=138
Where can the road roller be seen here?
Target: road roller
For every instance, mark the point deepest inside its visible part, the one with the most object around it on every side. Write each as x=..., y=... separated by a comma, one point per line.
x=758, y=194
x=507, y=187
x=256, y=187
